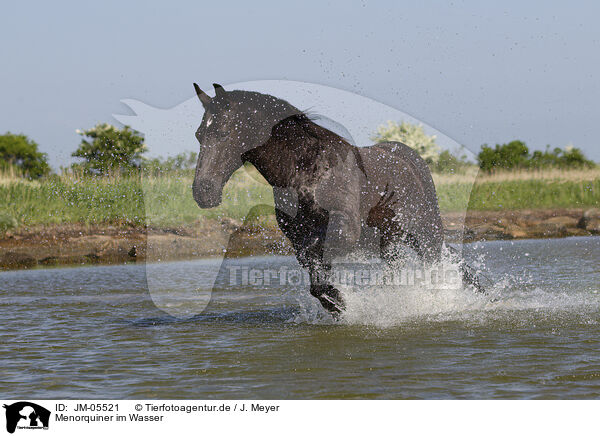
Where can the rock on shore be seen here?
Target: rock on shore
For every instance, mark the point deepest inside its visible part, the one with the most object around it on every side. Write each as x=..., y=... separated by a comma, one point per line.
x=78, y=244
x=526, y=224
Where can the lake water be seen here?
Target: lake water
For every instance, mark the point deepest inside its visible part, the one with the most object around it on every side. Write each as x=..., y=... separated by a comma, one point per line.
x=94, y=332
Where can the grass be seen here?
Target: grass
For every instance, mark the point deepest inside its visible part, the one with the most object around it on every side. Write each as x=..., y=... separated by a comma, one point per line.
x=514, y=190
x=161, y=201
x=166, y=201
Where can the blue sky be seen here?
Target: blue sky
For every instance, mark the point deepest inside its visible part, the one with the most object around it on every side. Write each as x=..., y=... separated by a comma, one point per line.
x=477, y=71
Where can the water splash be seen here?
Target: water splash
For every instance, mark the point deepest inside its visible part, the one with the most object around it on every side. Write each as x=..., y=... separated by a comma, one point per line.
x=509, y=299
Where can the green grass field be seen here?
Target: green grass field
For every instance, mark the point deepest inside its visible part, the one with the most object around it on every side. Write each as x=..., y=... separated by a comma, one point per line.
x=520, y=190
x=166, y=201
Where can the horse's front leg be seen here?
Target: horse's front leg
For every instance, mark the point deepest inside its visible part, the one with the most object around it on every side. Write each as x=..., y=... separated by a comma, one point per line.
x=322, y=289
x=339, y=193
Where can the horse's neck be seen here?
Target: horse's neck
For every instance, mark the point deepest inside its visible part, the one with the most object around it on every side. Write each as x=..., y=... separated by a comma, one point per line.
x=275, y=161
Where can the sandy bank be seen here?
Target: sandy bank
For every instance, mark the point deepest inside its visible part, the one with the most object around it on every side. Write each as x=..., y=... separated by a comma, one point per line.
x=80, y=244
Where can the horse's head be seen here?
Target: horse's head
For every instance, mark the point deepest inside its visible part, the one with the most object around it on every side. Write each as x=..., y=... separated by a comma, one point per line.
x=233, y=123
x=220, y=149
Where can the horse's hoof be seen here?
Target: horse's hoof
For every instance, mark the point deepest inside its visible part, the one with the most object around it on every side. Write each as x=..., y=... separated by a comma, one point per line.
x=329, y=297
x=334, y=306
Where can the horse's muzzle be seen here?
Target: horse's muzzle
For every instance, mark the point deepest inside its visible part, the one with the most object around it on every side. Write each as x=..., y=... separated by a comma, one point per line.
x=206, y=193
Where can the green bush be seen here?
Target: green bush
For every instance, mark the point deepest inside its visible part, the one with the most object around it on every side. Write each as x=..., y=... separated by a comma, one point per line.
x=449, y=163
x=20, y=152
x=107, y=149
x=7, y=222
x=570, y=157
x=412, y=135
x=515, y=155
x=182, y=163
x=415, y=137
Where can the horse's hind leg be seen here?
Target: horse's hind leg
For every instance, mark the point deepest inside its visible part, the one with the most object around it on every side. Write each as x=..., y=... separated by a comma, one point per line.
x=431, y=253
x=428, y=253
x=468, y=273
x=470, y=277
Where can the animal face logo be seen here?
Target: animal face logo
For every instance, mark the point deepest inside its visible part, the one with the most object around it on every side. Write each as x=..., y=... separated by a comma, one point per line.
x=26, y=415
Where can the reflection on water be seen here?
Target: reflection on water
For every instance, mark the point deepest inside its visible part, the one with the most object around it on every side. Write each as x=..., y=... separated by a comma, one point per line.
x=95, y=332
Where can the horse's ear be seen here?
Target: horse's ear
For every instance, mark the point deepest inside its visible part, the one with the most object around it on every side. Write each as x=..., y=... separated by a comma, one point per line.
x=219, y=90
x=203, y=96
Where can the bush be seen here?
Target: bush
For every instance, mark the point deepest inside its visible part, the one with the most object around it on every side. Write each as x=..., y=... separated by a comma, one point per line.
x=7, y=222
x=515, y=155
x=412, y=135
x=450, y=163
x=181, y=163
x=570, y=157
x=415, y=137
x=20, y=152
x=107, y=149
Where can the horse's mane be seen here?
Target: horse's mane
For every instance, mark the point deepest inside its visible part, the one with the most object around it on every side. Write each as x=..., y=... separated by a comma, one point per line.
x=258, y=100
x=305, y=121
x=285, y=116
x=320, y=134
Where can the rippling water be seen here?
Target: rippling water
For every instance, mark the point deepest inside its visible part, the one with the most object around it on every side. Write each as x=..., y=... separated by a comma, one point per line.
x=94, y=332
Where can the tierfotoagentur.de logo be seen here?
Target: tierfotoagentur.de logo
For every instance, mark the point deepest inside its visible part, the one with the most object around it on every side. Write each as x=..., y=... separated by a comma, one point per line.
x=24, y=415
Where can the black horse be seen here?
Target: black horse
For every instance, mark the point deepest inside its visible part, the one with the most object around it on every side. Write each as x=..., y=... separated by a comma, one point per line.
x=330, y=196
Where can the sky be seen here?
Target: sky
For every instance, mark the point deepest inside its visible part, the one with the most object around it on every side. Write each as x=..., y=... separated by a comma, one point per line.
x=480, y=72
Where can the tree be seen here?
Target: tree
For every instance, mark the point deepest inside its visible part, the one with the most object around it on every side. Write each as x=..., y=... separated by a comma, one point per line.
x=181, y=163
x=572, y=157
x=108, y=149
x=515, y=154
x=451, y=163
x=18, y=151
x=412, y=135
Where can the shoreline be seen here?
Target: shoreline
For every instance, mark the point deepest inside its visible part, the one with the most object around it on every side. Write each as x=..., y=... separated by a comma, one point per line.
x=78, y=244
